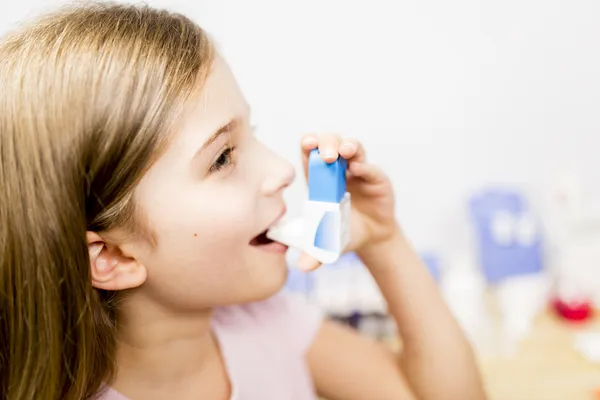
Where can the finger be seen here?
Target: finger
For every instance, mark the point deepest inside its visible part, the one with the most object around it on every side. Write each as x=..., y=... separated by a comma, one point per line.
x=307, y=263
x=309, y=143
x=368, y=172
x=328, y=147
x=352, y=149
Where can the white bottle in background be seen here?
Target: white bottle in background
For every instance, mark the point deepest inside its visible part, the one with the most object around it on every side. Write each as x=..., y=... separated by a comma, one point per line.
x=463, y=288
x=520, y=298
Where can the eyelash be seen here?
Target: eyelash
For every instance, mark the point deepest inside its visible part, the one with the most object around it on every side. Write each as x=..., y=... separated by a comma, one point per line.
x=228, y=152
x=218, y=166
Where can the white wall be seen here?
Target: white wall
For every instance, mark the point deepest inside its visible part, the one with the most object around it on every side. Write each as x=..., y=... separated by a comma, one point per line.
x=446, y=95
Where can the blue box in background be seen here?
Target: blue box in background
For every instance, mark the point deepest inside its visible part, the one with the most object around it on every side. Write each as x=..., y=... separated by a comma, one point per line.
x=507, y=235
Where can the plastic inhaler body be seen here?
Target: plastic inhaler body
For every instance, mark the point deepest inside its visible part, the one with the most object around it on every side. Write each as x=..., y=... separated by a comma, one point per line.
x=323, y=229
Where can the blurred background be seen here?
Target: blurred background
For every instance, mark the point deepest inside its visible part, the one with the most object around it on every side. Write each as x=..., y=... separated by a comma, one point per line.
x=485, y=116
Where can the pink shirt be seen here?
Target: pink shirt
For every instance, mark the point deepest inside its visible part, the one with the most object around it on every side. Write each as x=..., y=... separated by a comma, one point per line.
x=263, y=345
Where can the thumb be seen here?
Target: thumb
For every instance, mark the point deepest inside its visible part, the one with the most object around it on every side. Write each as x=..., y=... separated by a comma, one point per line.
x=307, y=263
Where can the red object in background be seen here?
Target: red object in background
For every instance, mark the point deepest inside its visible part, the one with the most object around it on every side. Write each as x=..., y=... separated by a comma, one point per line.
x=572, y=311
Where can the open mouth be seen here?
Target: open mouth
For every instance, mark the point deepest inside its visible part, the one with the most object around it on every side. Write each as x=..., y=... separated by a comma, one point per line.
x=261, y=240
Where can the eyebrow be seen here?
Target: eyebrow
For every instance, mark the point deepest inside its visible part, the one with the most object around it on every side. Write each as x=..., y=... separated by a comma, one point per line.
x=228, y=127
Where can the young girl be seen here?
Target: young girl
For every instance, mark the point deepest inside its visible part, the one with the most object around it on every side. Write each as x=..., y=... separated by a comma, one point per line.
x=133, y=203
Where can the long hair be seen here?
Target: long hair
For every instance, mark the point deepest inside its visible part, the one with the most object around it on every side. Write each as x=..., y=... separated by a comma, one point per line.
x=89, y=95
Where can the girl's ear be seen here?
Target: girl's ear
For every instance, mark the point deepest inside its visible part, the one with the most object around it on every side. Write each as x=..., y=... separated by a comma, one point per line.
x=111, y=270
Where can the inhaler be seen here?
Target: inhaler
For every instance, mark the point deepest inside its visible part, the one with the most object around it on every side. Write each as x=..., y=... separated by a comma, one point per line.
x=323, y=229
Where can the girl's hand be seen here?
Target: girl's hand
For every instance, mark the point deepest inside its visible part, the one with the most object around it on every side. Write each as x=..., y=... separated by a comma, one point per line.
x=372, y=217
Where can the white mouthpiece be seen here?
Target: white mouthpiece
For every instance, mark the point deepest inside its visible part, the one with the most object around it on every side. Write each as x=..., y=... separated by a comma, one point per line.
x=290, y=232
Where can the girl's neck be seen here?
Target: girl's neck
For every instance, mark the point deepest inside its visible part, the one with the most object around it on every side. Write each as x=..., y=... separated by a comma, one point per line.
x=167, y=353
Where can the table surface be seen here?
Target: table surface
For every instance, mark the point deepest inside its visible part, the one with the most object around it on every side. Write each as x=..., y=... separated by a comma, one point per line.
x=545, y=367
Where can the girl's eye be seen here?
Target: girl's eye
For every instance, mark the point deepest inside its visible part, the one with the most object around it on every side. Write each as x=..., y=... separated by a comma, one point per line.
x=224, y=160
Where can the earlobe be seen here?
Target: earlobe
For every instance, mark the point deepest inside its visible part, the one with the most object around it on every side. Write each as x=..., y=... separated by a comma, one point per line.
x=110, y=269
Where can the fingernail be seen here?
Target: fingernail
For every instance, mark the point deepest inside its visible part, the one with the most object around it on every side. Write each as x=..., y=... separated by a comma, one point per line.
x=309, y=140
x=329, y=154
x=350, y=147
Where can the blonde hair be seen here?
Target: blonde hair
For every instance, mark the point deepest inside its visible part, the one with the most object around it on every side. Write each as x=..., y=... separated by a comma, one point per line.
x=88, y=97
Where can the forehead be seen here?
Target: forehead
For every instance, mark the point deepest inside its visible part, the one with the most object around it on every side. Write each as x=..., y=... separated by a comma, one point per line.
x=219, y=101
x=220, y=94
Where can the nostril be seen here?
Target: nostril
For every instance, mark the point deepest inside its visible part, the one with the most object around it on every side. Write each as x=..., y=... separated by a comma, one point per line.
x=291, y=176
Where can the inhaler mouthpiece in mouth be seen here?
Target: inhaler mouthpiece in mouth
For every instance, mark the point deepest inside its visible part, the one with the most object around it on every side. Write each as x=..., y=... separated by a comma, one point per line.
x=323, y=229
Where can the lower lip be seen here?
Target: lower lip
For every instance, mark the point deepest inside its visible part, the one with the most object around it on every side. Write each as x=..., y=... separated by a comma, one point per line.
x=274, y=247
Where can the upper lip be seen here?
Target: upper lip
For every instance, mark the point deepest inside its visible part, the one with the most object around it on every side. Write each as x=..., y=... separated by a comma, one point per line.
x=274, y=221
x=279, y=217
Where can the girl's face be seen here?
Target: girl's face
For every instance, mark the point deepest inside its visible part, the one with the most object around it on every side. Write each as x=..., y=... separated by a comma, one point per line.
x=213, y=191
